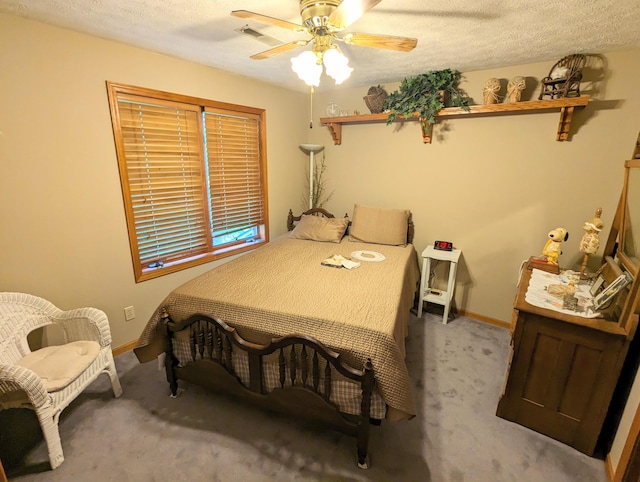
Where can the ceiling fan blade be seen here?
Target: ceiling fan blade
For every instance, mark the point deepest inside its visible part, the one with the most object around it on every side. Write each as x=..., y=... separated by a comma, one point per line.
x=268, y=20
x=349, y=11
x=280, y=49
x=390, y=42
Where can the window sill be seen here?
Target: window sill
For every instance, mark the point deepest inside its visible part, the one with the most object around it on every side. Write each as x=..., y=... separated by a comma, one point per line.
x=175, y=266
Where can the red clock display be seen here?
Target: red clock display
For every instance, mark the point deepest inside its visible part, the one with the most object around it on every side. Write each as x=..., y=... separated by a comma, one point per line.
x=443, y=245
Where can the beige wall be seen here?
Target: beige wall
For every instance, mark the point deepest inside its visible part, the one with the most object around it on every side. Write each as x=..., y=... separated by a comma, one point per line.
x=496, y=185
x=493, y=185
x=64, y=233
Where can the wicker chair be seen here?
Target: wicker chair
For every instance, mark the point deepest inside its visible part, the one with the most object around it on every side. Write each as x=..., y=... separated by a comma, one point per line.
x=564, y=78
x=48, y=379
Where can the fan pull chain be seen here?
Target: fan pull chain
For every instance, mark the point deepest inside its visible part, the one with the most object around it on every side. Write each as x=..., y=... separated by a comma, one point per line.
x=311, y=108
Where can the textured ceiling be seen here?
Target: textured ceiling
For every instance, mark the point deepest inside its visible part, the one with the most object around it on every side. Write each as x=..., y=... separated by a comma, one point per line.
x=465, y=35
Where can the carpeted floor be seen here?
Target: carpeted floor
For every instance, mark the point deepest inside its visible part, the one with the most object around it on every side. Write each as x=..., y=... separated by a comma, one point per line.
x=458, y=373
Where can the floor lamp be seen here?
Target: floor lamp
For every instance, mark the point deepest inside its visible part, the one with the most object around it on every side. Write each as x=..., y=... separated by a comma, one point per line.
x=311, y=149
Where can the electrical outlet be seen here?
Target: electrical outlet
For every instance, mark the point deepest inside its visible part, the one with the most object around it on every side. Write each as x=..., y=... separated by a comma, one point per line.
x=129, y=313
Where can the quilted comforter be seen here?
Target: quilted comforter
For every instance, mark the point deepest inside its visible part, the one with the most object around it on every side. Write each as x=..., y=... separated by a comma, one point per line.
x=282, y=289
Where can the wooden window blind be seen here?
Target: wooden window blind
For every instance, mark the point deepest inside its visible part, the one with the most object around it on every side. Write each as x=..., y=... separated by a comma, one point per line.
x=193, y=178
x=234, y=160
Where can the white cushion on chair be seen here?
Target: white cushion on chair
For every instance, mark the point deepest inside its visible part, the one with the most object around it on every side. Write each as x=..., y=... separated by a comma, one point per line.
x=60, y=365
x=64, y=370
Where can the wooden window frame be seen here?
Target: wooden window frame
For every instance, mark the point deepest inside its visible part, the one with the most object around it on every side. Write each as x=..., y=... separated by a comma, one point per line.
x=201, y=194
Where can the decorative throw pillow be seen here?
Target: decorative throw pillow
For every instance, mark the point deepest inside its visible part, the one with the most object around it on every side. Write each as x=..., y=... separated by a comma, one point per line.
x=379, y=225
x=318, y=228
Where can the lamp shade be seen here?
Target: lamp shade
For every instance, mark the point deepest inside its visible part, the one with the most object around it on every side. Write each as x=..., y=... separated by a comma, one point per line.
x=307, y=67
x=336, y=65
x=311, y=147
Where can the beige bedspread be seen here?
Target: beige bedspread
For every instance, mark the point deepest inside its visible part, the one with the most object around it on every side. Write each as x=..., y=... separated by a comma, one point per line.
x=282, y=289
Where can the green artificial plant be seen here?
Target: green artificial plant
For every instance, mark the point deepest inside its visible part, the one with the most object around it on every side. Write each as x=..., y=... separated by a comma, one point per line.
x=425, y=95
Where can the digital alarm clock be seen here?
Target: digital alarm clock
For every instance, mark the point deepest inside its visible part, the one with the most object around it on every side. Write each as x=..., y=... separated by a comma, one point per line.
x=443, y=245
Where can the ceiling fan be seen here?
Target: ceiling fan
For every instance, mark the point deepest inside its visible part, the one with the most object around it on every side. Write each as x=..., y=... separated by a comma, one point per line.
x=323, y=20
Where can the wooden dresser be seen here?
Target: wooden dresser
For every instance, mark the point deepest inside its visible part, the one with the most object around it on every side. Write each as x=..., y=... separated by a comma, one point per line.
x=563, y=371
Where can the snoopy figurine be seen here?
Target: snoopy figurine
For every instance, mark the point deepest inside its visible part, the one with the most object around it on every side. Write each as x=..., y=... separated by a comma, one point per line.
x=551, y=248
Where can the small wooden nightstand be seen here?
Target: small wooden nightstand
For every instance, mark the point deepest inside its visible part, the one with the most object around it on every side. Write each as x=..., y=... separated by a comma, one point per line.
x=431, y=295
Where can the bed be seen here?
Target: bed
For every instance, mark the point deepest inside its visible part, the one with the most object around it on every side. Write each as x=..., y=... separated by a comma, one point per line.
x=276, y=327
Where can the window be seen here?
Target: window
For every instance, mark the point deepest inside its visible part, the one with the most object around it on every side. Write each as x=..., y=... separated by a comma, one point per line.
x=193, y=175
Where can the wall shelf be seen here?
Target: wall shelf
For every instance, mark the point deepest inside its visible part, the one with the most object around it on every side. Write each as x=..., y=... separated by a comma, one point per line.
x=565, y=105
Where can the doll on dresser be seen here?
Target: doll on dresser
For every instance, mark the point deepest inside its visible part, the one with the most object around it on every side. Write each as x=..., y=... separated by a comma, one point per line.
x=590, y=239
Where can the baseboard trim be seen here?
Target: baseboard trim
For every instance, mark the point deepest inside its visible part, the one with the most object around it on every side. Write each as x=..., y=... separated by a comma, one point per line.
x=119, y=350
x=485, y=319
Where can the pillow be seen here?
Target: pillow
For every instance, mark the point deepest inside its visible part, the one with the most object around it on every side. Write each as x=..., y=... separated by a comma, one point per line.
x=379, y=226
x=559, y=73
x=318, y=228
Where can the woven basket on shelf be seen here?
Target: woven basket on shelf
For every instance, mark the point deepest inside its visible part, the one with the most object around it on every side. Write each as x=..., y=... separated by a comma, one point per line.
x=375, y=99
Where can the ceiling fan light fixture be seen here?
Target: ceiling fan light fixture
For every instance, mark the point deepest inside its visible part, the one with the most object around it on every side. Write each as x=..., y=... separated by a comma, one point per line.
x=336, y=65
x=308, y=67
x=315, y=13
x=322, y=20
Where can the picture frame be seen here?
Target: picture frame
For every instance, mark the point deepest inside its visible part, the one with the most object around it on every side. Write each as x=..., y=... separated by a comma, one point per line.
x=606, y=295
x=597, y=284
